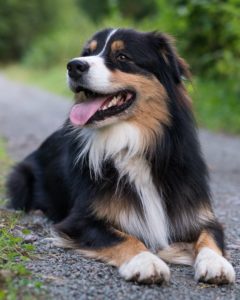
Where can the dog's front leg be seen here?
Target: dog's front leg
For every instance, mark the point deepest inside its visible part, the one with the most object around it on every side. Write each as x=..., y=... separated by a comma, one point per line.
x=210, y=265
x=98, y=241
x=134, y=260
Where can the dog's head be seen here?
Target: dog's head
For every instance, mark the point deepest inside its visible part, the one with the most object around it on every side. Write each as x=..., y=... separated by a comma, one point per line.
x=123, y=74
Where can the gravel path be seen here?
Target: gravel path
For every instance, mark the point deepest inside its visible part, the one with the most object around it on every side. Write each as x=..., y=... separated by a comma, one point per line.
x=27, y=116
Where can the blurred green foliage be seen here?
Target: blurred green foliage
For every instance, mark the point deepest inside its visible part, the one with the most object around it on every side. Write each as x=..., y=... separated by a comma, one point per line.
x=94, y=9
x=134, y=9
x=44, y=34
x=212, y=36
x=137, y=9
x=217, y=104
x=64, y=38
x=20, y=22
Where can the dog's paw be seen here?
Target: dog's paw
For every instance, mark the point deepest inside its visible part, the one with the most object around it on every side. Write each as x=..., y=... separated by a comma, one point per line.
x=145, y=268
x=211, y=267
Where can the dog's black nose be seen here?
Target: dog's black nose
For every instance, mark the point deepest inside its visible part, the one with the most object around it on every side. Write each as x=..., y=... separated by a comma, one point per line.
x=76, y=68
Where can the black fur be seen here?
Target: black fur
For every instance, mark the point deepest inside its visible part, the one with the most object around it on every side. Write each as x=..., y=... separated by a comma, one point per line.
x=50, y=180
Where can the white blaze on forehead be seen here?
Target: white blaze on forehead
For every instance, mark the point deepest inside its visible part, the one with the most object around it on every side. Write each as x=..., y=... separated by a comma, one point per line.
x=112, y=32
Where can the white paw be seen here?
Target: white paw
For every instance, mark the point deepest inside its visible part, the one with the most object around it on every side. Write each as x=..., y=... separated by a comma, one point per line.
x=213, y=268
x=145, y=268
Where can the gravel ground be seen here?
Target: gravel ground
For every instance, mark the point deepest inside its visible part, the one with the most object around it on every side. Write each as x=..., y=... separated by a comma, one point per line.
x=27, y=116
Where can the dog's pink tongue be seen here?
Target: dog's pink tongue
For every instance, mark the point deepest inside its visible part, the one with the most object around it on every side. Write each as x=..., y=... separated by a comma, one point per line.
x=82, y=112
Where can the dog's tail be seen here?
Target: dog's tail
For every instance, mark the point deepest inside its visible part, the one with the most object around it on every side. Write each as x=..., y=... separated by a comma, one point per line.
x=178, y=253
x=20, y=187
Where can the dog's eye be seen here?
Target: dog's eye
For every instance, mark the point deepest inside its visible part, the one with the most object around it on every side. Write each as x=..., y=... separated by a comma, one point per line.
x=86, y=52
x=122, y=57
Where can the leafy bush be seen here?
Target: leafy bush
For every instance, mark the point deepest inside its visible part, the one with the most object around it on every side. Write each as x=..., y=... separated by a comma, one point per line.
x=217, y=105
x=135, y=9
x=212, y=36
x=63, y=41
x=95, y=11
x=56, y=48
x=49, y=32
x=20, y=22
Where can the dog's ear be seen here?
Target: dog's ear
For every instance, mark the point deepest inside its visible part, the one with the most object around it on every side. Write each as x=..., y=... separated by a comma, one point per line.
x=164, y=45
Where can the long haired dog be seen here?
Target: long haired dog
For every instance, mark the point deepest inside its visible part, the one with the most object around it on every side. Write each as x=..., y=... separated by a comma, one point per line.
x=124, y=179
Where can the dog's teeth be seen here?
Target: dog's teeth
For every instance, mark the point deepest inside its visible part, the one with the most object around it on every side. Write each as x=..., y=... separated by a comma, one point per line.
x=110, y=104
x=114, y=101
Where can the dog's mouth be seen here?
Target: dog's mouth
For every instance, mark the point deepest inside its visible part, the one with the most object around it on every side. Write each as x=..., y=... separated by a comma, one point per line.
x=97, y=107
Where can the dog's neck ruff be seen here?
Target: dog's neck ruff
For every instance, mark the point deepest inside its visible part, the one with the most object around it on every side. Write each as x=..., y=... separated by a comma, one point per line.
x=109, y=142
x=125, y=145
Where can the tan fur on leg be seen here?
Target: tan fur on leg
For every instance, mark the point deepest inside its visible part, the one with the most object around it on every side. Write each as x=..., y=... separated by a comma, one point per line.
x=118, y=254
x=131, y=256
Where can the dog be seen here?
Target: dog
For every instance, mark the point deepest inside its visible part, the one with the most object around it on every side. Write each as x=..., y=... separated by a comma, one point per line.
x=124, y=179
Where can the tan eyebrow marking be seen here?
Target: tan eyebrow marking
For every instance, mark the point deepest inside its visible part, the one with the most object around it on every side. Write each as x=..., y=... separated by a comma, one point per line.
x=93, y=45
x=117, y=45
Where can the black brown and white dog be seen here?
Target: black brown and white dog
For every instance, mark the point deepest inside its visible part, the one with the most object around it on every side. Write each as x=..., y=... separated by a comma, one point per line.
x=124, y=179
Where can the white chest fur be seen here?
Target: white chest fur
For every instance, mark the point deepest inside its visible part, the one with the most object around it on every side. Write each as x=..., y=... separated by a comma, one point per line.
x=152, y=227
x=125, y=145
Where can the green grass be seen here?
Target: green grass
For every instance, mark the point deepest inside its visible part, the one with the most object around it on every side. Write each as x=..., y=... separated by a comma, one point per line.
x=16, y=281
x=216, y=103
x=5, y=163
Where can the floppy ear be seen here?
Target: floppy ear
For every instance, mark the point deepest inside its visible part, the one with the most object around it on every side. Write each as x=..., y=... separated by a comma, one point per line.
x=164, y=44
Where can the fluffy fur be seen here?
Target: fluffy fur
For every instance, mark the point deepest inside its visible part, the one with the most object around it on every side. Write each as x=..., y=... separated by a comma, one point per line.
x=132, y=178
